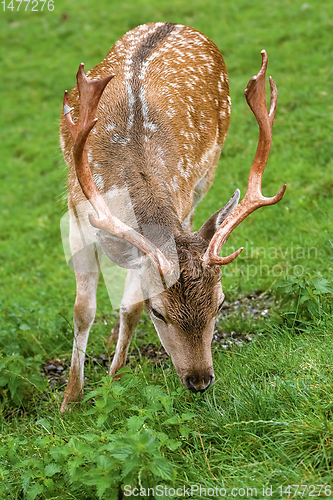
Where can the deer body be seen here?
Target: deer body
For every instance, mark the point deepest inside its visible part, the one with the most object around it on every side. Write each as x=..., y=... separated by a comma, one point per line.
x=156, y=128
x=161, y=124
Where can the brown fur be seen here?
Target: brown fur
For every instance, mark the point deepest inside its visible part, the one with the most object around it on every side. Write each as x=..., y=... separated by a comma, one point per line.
x=191, y=300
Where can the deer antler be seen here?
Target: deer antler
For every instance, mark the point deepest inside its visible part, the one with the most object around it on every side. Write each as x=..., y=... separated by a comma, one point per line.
x=90, y=92
x=253, y=199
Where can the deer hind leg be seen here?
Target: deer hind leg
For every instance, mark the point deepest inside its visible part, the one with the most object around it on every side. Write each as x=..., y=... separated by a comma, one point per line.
x=129, y=315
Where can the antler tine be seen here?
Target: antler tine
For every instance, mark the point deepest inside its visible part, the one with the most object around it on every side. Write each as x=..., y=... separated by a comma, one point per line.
x=90, y=92
x=256, y=99
x=253, y=199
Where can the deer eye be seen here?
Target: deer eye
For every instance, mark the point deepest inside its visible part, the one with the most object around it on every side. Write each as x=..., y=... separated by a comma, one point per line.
x=158, y=315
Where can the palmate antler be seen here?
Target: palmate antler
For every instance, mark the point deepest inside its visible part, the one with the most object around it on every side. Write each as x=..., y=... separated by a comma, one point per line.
x=253, y=199
x=90, y=92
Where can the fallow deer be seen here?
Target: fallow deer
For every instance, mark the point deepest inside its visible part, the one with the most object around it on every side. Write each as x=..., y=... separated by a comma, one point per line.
x=152, y=118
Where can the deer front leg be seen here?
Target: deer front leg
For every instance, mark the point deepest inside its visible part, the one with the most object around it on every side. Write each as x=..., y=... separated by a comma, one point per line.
x=113, y=337
x=84, y=315
x=129, y=315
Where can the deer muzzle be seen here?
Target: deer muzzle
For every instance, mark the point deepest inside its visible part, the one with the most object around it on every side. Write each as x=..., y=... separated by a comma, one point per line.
x=199, y=381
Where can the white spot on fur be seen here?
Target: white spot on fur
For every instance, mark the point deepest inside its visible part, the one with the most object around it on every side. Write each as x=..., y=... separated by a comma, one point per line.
x=175, y=182
x=145, y=111
x=124, y=140
x=131, y=102
x=181, y=169
x=171, y=112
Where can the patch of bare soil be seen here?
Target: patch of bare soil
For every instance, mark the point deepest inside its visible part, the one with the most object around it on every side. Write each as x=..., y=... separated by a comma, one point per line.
x=253, y=306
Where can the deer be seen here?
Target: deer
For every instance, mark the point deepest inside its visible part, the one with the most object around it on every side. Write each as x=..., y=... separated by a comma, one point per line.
x=152, y=119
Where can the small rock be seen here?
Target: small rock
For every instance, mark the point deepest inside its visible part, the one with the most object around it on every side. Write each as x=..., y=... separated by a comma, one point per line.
x=50, y=368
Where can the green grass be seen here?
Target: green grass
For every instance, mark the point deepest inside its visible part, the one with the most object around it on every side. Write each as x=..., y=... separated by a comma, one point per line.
x=267, y=420
x=265, y=423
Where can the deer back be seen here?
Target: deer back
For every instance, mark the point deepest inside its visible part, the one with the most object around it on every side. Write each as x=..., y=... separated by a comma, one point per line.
x=162, y=121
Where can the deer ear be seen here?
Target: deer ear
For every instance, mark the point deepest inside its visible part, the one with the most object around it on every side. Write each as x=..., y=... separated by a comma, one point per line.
x=208, y=229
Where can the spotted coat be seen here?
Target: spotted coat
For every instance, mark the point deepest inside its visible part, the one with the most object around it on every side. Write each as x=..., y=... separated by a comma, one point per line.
x=162, y=121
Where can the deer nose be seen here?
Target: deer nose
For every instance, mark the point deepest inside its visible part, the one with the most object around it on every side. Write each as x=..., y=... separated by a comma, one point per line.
x=199, y=382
